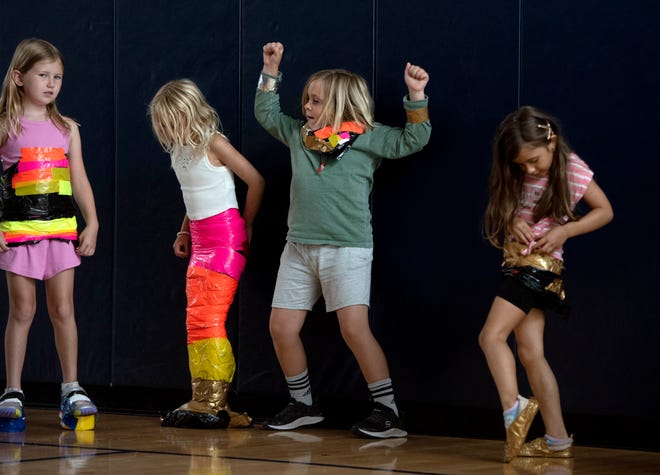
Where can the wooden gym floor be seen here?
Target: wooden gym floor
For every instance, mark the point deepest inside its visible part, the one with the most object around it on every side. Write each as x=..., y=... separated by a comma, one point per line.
x=131, y=444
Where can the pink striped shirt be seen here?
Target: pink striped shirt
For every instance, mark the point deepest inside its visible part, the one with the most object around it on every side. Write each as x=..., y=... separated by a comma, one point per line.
x=579, y=177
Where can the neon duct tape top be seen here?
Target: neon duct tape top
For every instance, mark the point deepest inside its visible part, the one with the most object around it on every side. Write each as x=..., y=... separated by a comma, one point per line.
x=38, y=203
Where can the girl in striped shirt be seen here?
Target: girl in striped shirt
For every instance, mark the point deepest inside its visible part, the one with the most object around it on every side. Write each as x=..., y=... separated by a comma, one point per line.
x=535, y=183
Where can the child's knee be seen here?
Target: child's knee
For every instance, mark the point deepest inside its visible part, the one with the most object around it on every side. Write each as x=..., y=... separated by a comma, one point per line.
x=281, y=329
x=350, y=336
x=486, y=339
x=22, y=312
x=529, y=356
x=354, y=331
x=481, y=339
x=61, y=313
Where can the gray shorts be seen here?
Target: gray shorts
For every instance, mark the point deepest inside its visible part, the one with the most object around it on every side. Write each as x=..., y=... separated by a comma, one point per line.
x=341, y=274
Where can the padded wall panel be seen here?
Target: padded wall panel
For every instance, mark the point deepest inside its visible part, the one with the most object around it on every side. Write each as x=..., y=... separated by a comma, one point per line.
x=434, y=277
x=594, y=65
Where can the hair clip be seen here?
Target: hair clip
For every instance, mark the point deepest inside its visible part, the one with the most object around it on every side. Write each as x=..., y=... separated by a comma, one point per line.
x=548, y=127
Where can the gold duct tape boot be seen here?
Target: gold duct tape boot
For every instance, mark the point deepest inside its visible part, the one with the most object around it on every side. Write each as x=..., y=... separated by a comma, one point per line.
x=539, y=448
x=516, y=433
x=210, y=397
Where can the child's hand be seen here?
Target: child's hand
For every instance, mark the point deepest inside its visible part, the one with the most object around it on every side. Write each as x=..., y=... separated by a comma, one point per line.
x=522, y=231
x=272, y=57
x=182, y=245
x=87, y=241
x=416, y=79
x=3, y=243
x=552, y=241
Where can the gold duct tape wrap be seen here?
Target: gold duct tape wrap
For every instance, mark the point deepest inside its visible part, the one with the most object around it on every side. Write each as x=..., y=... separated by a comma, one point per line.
x=210, y=397
x=417, y=116
x=514, y=258
x=557, y=287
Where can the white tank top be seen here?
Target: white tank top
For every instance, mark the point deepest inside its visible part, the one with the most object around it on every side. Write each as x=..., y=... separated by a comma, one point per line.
x=207, y=190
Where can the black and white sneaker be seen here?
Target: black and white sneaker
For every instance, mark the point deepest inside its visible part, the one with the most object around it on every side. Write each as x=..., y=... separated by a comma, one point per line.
x=383, y=423
x=294, y=415
x=11, y=404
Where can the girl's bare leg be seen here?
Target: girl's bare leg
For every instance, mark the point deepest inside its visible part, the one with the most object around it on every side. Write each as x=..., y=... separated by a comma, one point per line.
x=529, y=335
x=59, y=297
x=502, y=319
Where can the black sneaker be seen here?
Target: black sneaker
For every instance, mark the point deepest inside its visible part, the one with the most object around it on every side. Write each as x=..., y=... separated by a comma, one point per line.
x=383, y=423
x=294, y=415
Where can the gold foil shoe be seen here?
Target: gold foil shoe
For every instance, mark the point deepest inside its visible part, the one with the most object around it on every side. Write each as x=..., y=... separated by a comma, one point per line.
x=516, y=433
x=539, y=448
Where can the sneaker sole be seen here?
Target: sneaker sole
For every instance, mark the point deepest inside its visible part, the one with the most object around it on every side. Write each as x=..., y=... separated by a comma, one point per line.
x=71, y=422
x=387, y=434
x=12, y=424
x=303, y=421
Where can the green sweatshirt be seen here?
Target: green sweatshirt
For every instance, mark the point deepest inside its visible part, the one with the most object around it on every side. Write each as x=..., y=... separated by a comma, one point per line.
x=332, y=207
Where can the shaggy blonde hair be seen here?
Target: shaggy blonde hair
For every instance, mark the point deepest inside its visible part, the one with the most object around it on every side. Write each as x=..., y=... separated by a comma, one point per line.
x=27, y=54
x=346, y=98
x=181, y=116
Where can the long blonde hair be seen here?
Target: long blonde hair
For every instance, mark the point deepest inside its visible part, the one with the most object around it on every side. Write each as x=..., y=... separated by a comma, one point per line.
x=346, y=98
x=180, y=116
x=527, y=126
x=27, y=54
